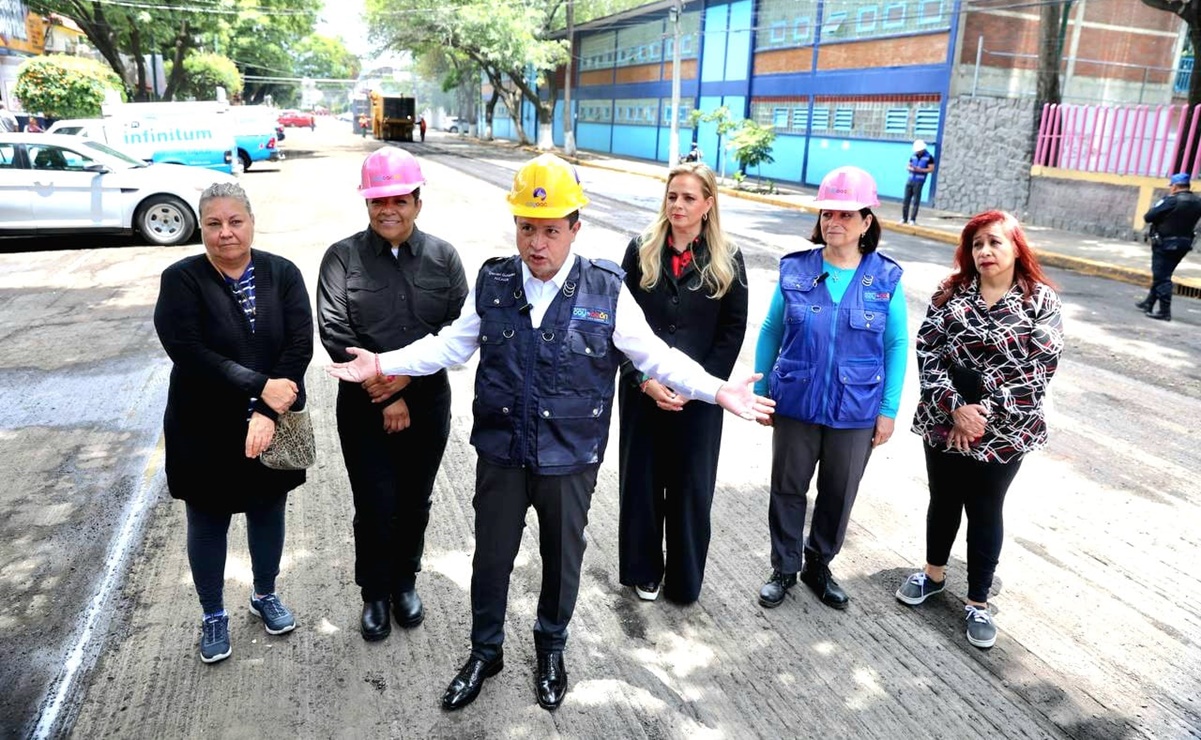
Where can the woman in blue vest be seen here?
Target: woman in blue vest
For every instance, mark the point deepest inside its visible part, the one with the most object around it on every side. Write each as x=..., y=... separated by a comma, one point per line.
x=832, y=350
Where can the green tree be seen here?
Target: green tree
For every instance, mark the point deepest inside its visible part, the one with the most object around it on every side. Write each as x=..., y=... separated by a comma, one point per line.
x=509, y=42
x=256, y=34
x=752, y=144
x=723, y=124
x=65, y=87
x=204, y=73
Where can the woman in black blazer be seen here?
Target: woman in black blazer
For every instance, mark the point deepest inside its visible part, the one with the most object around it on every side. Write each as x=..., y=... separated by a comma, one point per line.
x=237, y=326
x=691, y=283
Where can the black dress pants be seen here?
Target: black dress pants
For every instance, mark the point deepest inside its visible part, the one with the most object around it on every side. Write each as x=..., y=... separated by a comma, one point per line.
x=1163, y=264
x=840, y=456
x=960, y=484
x=392, y=479
x=502, y=498
x=668, y=470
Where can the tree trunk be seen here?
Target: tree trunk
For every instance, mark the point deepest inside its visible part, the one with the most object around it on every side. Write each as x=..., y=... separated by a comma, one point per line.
x=1050, y=55
x=142, y=92
x=489, y=109
x=182, y=41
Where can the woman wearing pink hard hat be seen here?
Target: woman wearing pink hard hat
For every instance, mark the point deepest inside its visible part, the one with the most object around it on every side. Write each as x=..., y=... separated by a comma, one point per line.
x=382, y=288
x=832, y=351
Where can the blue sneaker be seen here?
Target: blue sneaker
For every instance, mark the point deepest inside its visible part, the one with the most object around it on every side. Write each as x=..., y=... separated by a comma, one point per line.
x=274, y=614
x=919, y=587
x=214, y=639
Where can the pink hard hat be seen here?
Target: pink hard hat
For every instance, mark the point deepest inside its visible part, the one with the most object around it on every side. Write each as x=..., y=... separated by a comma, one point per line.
x=390, y=171
x=846, y=189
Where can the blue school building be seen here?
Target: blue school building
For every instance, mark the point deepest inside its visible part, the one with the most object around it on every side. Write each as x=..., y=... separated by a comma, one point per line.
x=843, y=82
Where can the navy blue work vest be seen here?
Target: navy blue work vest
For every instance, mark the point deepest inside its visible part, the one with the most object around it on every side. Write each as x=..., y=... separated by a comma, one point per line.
x=921, y=159
x=544, y=395
x=830, y=370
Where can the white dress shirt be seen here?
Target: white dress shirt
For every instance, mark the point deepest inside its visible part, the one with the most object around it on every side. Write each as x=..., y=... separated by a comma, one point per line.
x=456, y=343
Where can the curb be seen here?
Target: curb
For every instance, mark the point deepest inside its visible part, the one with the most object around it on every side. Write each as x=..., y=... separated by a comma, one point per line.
x=1185, y=287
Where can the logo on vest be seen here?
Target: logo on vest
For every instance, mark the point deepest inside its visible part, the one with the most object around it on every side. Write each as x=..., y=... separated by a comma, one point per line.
x=595, y=315
x=877, y=295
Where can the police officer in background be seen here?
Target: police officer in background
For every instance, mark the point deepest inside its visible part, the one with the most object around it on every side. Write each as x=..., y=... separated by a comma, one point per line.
x=551, y=328
x=1172, y=220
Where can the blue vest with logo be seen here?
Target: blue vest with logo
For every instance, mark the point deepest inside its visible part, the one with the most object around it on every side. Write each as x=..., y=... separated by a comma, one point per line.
x=830, y=370
x=544, y=395
x=920, y=159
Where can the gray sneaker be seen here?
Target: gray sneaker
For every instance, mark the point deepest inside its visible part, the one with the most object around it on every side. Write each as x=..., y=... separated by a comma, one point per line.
x=214, y=639
x=981, y=631
x=919, y=587
x=276, y=617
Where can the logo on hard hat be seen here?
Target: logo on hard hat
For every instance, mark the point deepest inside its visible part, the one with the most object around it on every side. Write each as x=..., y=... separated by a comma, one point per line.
x=540, y=193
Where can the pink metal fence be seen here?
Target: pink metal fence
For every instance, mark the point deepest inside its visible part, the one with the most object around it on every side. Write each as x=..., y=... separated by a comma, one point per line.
x=1121, y=140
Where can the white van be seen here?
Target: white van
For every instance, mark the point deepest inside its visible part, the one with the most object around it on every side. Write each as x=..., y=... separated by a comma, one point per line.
x=200, y=134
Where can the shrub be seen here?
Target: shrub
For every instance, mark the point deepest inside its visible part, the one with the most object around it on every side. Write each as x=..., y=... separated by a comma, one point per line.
x=203, y=73
x=65, y=86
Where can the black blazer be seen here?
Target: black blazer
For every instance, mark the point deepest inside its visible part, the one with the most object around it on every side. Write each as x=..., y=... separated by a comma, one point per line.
x=682, y=313
x=219, y=365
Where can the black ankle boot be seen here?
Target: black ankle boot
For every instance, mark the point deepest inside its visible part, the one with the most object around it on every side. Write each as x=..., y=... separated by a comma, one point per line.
x=1165, y=310
x=1147, y=303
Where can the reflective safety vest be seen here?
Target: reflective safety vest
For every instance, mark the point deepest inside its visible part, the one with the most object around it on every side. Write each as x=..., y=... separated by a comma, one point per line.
x=921, y=159
x=544, y=395
x=830, y=370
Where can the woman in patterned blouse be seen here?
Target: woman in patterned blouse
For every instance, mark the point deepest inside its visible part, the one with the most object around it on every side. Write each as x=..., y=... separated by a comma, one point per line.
x=986, y=351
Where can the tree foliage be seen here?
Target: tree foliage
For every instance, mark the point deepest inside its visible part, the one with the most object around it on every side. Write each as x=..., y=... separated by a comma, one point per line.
x=258, y=35
x=204, y=73
x=64, y=86
x=752, y=144
x=1188, y=11
x=509, y=42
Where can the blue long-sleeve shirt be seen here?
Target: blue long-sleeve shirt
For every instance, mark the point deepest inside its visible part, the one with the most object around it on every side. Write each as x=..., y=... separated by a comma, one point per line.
x=896, y=338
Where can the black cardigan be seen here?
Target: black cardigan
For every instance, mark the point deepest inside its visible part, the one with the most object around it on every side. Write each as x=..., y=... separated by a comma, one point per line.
x=219, y=365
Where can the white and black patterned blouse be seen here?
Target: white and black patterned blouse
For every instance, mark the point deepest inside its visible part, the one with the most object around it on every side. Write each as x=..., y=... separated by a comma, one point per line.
x=1014, y=345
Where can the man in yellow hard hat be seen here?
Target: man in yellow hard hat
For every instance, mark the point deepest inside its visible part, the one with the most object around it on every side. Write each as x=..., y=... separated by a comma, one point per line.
x=551, y=328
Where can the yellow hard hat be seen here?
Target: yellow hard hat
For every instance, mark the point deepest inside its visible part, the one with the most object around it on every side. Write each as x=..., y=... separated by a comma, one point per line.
x=546, y=187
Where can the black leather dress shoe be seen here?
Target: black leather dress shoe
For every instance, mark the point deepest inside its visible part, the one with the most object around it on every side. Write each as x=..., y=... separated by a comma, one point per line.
x=551, y=681
x=466, y=685
x=408, y=610
x=376, y=623
x=819, y=580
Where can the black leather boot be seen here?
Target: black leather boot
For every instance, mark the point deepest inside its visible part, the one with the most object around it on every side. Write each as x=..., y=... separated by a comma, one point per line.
x=1147, y=303
x=1165, y=310
x=376, y=624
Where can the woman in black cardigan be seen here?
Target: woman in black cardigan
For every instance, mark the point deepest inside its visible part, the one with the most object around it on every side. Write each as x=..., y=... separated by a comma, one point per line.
x=237, y=325
x=691, y=284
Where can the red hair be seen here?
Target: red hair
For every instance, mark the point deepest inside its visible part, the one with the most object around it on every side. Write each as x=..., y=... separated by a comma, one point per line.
x=1027, y=273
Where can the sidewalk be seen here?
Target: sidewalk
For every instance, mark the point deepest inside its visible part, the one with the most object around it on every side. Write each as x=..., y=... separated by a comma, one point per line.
x=1129, y=262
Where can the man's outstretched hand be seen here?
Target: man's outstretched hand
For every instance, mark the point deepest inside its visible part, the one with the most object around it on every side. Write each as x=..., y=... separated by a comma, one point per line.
x=365, y=365
x=738, y=398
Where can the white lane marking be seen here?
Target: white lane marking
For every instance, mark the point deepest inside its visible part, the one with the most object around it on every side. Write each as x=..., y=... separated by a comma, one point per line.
x=117, y=555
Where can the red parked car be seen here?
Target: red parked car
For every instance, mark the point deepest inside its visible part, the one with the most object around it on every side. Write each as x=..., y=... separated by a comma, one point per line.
x=297, y=118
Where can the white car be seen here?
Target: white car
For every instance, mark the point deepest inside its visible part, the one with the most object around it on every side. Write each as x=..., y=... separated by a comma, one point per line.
x=55, y=184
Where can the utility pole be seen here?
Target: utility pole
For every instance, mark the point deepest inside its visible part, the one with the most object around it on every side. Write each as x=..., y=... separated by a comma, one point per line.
x=568, y=117
x=673, y=145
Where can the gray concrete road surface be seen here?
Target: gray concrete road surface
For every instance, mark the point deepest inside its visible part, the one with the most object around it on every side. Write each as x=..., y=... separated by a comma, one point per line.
x=1099, y=638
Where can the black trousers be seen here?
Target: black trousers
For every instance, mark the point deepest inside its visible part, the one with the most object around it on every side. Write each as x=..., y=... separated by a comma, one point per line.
x=392, y=479
x=960, y=484
x=208, y=543
x=667, y=470
x=913, y=192
x=840, y=456
x=502, y=497
x=1163, y=264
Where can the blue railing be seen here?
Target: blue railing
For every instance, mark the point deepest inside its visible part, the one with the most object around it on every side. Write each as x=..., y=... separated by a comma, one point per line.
x=1184, y=75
